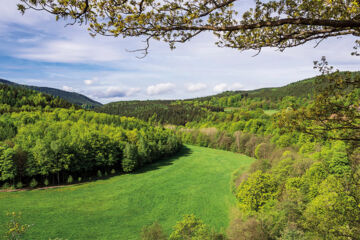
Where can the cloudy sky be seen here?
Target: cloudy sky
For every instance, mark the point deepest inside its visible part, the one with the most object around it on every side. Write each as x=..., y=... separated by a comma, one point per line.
x=37, y=50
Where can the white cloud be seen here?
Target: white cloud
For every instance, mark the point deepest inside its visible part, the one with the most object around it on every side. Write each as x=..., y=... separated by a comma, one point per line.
x=160, y=88
x=236, y=86
x=116, y=92
x=68, y=89
x=69, y=51
x=227, y=87
x=220, y=87
x=91, y=81
x=195, y=87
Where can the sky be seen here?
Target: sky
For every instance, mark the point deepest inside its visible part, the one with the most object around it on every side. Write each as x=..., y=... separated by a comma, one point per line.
x=37, y=50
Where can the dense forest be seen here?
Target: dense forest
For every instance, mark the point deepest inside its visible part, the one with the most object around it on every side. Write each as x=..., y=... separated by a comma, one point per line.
x=162, y=111
x=15, y=99
x=72, y=97
x=181, y=112
x=42, y=144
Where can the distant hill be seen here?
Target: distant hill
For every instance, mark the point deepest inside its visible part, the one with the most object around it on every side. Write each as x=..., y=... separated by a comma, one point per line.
x=72, y=97
x=179, y=112
x=301, y=88
x=16, y=98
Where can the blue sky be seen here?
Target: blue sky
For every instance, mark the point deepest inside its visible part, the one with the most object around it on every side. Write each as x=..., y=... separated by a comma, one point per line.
x=37, y=50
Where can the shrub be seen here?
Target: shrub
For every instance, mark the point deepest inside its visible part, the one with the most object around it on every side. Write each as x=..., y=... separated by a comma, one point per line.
x=6, y=186
x=19, y=185
x=79, y=179
x=113, y=171
x=153, y=232
x=192, y=227
x=70, y=179
x=99, y=174
x=33, y=183
x=246, y=229
x=46, y=182
x=128, y=164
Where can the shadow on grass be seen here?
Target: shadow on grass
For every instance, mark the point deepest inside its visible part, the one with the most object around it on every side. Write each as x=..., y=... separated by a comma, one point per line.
x=166, y=161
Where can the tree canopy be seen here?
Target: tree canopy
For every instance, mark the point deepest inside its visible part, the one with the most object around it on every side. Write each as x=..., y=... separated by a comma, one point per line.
x=277, y=23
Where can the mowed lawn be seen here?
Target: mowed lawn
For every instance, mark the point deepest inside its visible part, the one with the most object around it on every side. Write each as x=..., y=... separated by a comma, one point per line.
x=197, y=181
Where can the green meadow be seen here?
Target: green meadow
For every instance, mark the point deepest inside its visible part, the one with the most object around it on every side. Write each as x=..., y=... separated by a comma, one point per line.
x=197, y=180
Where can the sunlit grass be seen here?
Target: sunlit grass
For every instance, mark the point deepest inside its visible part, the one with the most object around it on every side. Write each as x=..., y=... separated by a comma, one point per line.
x=196, y=181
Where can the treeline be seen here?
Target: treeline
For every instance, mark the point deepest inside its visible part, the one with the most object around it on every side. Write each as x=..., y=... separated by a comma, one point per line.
x=161, y=111
x=15, y=99
x=63, y=146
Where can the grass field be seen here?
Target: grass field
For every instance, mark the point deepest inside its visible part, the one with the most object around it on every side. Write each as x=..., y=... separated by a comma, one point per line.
x=197, y=181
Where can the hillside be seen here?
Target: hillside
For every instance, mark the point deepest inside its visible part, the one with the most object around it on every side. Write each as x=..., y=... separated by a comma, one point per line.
x=15, y=98
x=180, y=112
x=163, y=111
x=301, y=89
x=197, y=181
x=72, y=97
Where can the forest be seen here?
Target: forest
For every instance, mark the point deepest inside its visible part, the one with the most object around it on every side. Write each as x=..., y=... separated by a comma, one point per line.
x=44, y=144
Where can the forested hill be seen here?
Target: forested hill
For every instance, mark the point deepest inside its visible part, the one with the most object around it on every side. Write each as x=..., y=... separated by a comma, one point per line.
x=164, y=111
x=72, y=97
x=302, y=88
x=180, y=112
x=15, y=98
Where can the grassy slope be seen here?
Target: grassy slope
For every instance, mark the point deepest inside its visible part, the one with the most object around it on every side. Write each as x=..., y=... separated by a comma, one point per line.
x=196, y=181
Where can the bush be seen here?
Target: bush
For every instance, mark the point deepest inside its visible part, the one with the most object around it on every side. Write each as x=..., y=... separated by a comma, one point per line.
x=153, y=232
x=70, y=179
x=99, y=174
x=128, y=164
x=246, y=229
x=19, y=185
x=6, y=186
x=192, y=227
x=113, y=171
x=46, y=182
x=79, y=179
x=33, y=183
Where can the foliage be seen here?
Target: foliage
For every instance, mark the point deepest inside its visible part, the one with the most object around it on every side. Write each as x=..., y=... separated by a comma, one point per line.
x=153, y=232
x=15, y=99
x=256, y=191
x=192, y=228
x=79, y=143
x=71, y=97
x=167, y=112
x=280, y=24
x=334, y=113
